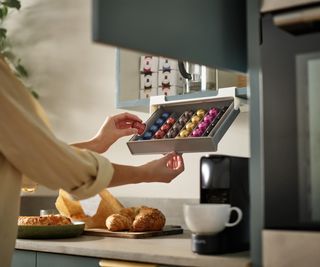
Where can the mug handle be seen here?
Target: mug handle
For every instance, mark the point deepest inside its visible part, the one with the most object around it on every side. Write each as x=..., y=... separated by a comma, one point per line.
x=239, y=212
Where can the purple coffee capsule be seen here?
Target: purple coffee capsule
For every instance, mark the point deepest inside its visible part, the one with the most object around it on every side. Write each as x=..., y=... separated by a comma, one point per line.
x=196, y=133
x=213, y=112
x=208, y=118
x=203, y=125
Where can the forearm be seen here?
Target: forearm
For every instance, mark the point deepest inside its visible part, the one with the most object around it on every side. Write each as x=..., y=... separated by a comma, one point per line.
x=124, y=174
x=90, y=145
x=162, y=170
x=93, y=145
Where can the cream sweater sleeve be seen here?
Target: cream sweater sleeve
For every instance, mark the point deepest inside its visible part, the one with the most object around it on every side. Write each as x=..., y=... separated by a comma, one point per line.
x=28, y=144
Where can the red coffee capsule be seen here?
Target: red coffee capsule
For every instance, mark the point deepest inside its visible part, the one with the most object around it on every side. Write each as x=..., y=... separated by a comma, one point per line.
x=165, y=127
x=171, y=121
x=159, y=134
x=139, y=126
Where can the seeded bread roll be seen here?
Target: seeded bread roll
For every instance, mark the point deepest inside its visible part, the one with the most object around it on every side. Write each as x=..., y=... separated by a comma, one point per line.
x=148, y=219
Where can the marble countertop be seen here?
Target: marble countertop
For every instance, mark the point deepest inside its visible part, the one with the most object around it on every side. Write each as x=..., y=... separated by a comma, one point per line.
x=172, y=250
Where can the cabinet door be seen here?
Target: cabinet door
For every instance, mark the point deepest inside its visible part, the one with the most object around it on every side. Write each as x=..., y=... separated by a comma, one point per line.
x=61, y=260
x=211, y=33
x=23, y=258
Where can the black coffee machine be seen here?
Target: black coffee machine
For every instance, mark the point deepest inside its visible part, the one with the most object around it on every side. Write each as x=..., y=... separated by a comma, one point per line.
x=224, y=179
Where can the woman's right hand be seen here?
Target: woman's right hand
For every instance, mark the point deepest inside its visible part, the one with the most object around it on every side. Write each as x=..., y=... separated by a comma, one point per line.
x=162, y=170
x=165, y=169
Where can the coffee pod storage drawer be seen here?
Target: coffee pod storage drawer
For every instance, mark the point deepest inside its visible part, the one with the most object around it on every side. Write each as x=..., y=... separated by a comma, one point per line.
x=187, y=126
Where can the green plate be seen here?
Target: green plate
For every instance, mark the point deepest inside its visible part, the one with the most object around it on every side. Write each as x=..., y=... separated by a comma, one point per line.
x=50, y=231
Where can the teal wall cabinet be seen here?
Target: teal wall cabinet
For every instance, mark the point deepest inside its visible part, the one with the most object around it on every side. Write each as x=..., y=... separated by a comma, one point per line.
x=211, y=33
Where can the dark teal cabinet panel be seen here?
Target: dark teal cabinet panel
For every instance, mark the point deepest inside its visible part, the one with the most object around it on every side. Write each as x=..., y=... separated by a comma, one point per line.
x=23, y=258
x=61, y=260
x=208, y=32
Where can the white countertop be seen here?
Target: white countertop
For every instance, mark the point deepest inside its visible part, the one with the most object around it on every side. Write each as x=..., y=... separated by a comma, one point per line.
x=172, y=250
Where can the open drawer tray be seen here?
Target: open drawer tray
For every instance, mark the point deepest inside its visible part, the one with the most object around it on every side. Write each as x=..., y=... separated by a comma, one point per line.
x=137, y=145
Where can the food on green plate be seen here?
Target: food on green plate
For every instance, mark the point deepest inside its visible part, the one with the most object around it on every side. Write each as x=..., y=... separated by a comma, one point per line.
x=45, y=220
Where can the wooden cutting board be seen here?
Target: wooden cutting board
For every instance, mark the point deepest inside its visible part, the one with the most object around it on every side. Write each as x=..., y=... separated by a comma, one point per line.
x=167, y=230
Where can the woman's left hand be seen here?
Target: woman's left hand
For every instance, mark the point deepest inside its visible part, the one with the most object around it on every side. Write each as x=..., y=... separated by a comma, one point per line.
x=113, y=128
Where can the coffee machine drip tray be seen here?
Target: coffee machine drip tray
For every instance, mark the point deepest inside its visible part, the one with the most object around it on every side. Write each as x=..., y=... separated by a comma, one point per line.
x=184, y=126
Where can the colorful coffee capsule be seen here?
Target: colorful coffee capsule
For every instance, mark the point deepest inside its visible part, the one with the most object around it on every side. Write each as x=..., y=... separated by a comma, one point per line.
x=184, y=133
x=208, y=118
x=171, y=121
x=147, y=135
x=172, y=133
x=197, y=133
x=154, y=128
x=177, y=126
x=190, y=126
x=183, y=120
x=201, y=112
x=188, y=114
x=165, y=127
x=165, y=115
x=203, y=125
x=213, y=112
x=212, y=125
x=159, y=121
x=159, y=134
x=195, y=119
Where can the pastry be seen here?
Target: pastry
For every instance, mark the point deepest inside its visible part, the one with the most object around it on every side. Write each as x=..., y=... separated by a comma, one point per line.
x=136, y=219
x=45, y=220
x=148, y=219
x=118, y=222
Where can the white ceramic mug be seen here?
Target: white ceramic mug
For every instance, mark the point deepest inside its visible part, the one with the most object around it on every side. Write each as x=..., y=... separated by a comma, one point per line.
x=209, y=218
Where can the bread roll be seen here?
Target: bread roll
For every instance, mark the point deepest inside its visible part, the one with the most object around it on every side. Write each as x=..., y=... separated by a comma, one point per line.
x=118, y=222
x=148, y=219
x=136, y=219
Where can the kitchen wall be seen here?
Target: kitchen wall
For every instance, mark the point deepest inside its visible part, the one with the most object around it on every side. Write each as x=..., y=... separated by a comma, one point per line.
x=76, y=81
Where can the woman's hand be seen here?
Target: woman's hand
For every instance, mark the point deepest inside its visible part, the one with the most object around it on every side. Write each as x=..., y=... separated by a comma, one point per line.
x=165, y=169
x=113, y=128
x=162, y=170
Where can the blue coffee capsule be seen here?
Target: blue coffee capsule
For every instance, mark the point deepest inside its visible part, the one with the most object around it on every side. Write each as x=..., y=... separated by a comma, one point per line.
x=159, y=121
x=165, y=115
x=147, y=135
x=154, y=128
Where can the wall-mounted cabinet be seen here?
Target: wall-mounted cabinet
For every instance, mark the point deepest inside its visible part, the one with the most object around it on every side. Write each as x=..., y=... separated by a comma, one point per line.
x=211, y=33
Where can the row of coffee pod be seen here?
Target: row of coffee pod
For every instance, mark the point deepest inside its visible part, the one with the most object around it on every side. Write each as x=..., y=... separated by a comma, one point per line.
x=189, y=124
